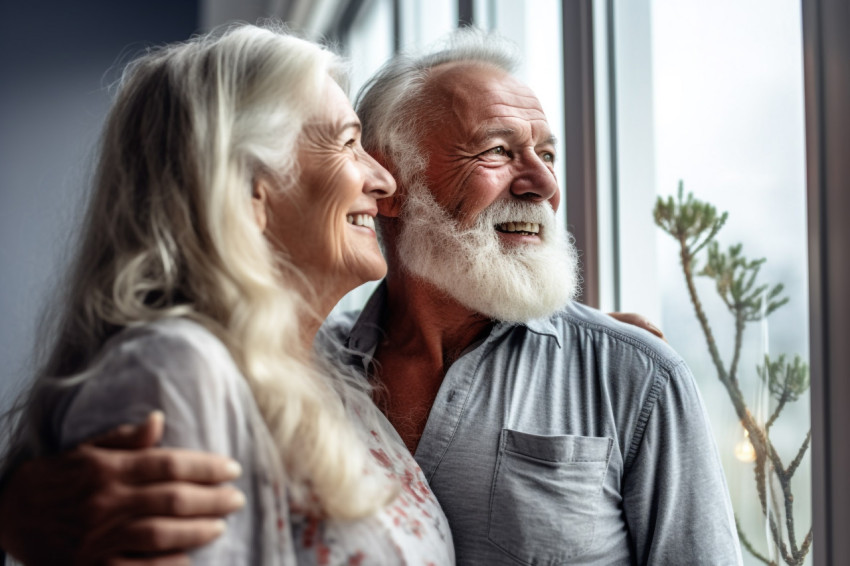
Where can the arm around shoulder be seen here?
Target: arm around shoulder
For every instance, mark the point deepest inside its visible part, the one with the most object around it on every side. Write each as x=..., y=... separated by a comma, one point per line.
x=182, y=370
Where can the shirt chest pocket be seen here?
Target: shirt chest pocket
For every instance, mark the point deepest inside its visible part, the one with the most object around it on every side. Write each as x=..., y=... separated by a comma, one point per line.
x=546, y=490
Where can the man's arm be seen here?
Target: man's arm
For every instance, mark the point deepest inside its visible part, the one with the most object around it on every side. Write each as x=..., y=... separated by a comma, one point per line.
x=675, y=496
x=114, y=497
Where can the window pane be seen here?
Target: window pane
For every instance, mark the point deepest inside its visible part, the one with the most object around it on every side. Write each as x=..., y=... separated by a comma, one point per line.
x=535, y=27
x=423, y=23
x=712, y=95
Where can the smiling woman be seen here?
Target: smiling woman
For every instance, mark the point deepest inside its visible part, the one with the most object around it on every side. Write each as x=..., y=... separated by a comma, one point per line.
x=232, y=207
x=331, y=211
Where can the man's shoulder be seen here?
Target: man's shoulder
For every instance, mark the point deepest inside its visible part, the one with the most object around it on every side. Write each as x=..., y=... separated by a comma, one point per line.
x=583, y=327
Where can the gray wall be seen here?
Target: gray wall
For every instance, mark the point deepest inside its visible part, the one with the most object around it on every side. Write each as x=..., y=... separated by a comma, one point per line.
x=55, y=60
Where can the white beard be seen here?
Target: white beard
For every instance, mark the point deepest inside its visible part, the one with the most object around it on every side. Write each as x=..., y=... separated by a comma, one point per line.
x=472, y=266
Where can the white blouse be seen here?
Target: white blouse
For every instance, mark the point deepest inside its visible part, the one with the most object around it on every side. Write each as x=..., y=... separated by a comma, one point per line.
x=180, y=368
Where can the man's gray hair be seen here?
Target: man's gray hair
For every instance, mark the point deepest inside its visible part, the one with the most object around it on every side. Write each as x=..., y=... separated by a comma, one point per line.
x=394, y=105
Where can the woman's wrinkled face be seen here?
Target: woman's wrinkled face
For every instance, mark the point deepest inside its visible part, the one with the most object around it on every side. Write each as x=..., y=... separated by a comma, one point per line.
x=326, y=223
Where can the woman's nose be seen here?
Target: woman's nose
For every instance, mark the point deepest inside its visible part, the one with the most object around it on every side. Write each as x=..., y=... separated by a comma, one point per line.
x=379, y=183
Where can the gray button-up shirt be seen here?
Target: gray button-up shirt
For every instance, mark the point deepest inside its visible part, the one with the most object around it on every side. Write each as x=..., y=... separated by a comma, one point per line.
x=570, y=440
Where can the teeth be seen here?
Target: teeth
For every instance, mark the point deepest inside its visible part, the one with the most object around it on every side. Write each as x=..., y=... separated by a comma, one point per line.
x=361, y=220
x=529, y=227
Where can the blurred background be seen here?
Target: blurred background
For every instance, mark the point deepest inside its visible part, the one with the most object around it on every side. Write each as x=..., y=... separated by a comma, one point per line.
x=643, y=94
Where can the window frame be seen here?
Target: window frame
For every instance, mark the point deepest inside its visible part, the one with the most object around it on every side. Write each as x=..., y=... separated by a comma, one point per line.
x=827, y=89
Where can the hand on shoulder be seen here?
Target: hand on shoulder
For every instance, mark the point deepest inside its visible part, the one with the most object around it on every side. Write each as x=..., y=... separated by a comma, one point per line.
x=638, y=320
x=115, y=497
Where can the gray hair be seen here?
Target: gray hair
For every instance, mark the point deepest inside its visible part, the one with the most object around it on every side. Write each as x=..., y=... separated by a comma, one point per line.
x=394, y=105
x=170, y=232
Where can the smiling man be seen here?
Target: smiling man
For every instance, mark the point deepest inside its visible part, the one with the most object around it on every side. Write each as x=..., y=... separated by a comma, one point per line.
x=483, y=210
x=550, y=433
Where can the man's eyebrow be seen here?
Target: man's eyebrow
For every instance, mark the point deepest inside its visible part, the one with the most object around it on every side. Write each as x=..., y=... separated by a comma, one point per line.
x=487, y=135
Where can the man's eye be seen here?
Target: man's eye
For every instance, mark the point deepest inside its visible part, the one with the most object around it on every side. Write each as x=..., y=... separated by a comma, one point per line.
x=351, y=143
x=498, y=150
x=548, y=157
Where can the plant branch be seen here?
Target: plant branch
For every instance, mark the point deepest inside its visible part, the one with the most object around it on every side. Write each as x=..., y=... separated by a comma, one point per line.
x=779, y=406
x=739, y=341
x=792, y=467
x=694, y=225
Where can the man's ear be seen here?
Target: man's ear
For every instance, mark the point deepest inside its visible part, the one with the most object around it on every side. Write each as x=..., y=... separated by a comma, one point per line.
x=389, y=207
x=259, y=201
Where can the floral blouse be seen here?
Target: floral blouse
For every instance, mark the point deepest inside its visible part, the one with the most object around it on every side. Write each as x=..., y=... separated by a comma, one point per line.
x=180, y=368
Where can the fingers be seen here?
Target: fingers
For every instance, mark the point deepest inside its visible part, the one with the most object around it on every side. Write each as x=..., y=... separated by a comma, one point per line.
x=637, y=320
x=169, y=560
x=184, y=500
x=134, y=436
x=152, y=541
x=176, y=464
x=165, y=534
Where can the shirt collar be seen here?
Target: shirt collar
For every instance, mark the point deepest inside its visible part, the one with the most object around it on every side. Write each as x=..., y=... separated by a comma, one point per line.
x=539, y=326
x=367, y=331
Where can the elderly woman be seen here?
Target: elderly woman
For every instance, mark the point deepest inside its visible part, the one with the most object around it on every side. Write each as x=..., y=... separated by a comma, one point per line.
x=233, y=206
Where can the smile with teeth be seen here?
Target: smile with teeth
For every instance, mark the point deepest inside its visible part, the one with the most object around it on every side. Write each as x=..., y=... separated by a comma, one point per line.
x=361, y=220
x=519, y=227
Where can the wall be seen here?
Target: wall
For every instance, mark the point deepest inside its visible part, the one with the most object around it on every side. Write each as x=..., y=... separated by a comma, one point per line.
x=55, y=60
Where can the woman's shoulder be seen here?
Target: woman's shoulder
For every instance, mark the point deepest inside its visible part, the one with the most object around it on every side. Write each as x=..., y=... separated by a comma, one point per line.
x=173, y=334
x=164, y=348
x=174, y=365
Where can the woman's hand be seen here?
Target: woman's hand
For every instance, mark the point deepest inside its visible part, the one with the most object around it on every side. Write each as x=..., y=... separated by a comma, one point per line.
x=637, y=320
x=117, y=500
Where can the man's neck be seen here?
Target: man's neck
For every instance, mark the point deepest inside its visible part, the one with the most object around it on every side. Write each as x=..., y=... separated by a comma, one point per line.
x=424, y=333
x=425, y=323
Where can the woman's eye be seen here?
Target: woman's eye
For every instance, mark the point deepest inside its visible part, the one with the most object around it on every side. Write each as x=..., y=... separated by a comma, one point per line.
x=498, y=150
x=351, y=143
x=548, y=157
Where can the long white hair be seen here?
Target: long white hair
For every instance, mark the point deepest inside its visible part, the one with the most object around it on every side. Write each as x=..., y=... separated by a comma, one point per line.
x=170, y=233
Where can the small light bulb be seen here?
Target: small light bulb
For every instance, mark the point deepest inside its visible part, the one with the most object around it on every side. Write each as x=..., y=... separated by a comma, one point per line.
x=744, y=450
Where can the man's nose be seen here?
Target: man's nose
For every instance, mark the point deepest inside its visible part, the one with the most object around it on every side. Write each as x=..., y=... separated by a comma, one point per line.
x=378, y=181
x=534, y=180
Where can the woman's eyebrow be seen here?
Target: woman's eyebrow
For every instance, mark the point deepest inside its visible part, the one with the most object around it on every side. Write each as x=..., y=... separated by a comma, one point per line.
x=352, y=124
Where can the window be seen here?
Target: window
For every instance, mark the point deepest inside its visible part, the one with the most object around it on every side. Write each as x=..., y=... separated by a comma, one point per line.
x=712, y=96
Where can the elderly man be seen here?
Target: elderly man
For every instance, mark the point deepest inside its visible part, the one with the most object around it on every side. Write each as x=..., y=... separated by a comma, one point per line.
x=550, y=433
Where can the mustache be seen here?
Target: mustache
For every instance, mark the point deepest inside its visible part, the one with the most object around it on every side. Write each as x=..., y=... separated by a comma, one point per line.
x=502, y=211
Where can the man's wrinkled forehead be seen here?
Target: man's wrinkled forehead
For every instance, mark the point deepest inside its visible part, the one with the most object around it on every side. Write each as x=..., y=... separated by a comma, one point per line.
x=474, y=93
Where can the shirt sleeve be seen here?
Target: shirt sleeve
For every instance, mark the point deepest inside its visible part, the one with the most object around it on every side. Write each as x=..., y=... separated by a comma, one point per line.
x=675, y=496
x=207, y=405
